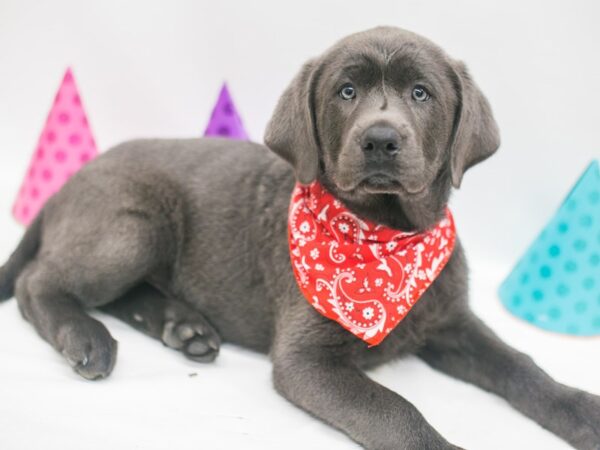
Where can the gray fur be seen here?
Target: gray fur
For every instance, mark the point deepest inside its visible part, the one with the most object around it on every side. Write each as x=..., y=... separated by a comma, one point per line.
x=186, y=240
x=24, y=252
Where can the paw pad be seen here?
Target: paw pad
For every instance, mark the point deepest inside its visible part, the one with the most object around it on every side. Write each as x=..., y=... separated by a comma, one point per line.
x=196, y=339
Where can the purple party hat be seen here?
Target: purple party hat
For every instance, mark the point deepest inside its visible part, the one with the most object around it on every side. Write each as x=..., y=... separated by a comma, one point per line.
x=225, y=120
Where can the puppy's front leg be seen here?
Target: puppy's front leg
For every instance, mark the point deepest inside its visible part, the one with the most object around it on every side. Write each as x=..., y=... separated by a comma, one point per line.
x=312, y=371
x=469, y=350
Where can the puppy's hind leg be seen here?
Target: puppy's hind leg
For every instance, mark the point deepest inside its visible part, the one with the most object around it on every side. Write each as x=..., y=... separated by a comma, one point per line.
x=169, y=320
x=60, y=319
x=84, y=263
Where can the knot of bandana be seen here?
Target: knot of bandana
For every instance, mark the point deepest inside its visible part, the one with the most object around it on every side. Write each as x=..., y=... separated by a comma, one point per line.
x=363, y=275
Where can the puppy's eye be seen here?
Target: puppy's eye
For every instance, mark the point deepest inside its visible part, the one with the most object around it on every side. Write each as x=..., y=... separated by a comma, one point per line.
x=420, y=94
x=347, y=92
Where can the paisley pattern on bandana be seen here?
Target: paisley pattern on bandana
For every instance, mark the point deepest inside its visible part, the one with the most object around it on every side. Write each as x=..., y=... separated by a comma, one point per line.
x=364, y=276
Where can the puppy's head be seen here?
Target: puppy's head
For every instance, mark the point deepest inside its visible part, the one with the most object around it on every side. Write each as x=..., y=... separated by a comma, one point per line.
x=384, y=114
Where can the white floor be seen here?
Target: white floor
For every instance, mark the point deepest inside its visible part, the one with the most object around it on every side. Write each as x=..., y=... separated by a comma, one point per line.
x=156, y=399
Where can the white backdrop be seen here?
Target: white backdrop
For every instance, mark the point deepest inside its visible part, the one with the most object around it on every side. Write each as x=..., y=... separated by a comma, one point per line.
x=153, y=69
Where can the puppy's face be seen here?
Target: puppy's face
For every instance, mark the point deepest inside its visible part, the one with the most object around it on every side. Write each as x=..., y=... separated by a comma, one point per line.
x=384, y=113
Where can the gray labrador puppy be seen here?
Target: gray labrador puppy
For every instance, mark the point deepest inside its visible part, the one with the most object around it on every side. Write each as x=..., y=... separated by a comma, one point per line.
x=187, y=241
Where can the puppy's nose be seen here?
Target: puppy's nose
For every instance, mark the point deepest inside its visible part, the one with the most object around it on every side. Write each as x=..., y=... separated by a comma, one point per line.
x=381, y=138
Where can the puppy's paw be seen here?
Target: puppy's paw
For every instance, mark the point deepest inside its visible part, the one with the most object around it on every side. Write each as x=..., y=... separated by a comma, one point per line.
x=196, y=338
x=89, y=348
x=585, y=408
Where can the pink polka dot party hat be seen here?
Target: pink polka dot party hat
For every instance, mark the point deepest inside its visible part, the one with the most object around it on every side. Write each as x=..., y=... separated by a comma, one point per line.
x=65, y=144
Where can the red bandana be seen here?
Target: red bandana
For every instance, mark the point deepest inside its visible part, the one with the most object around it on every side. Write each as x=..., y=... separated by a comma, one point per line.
x=364, y=276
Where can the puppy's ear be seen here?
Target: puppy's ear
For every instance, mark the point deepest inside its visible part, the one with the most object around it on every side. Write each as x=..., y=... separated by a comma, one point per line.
x=291, y=132
x=476, y=136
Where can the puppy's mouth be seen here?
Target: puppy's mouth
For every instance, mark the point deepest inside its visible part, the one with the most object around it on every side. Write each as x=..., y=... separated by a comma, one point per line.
x=382, y=183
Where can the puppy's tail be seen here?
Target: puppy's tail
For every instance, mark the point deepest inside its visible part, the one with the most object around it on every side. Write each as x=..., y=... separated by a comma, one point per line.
x=24, y=252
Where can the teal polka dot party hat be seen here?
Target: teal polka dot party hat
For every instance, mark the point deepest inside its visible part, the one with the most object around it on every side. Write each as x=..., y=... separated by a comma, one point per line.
x=556, y=284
